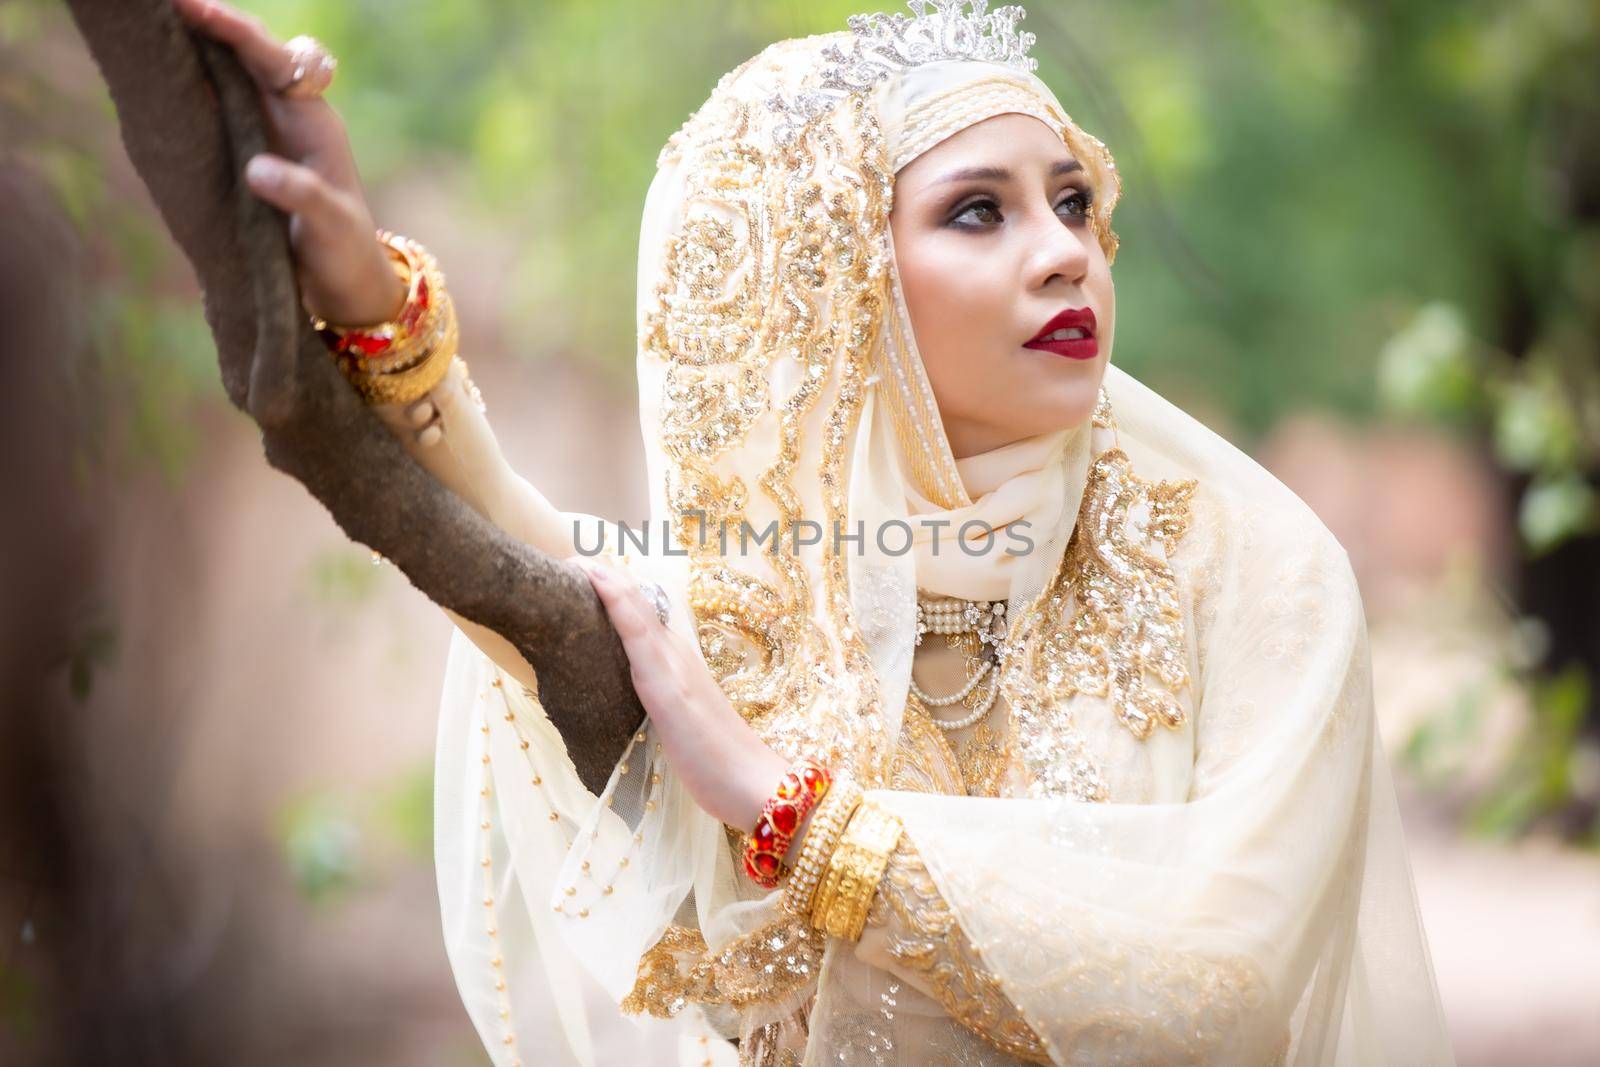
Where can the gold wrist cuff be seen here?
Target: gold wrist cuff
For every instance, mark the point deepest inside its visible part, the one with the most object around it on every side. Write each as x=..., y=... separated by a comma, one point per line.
x=854, y=870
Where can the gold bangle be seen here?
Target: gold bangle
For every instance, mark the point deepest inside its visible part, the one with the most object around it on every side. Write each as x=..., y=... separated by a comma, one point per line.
x=417, y=379
x=855, y=867
x=821, y=837
x=827, y=891
x=400, y=361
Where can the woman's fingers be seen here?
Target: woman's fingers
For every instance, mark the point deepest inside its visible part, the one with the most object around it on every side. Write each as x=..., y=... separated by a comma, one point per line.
x=419, y=421
x=261, y=53
x=421, y=413
x=647, y=642
x=309, y=130
x=470, y=435
x=193, y=12
x=294, y=188
x=624, y=609
x=424, y=417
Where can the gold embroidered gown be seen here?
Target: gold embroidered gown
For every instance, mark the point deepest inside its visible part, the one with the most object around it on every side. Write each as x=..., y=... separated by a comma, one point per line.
x=1182, y=847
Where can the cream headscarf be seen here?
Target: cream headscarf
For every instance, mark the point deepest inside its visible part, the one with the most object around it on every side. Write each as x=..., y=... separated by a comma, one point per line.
x=1197, y=857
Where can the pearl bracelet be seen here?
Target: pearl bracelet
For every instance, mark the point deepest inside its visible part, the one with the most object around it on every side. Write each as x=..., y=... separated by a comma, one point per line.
x=821, y=837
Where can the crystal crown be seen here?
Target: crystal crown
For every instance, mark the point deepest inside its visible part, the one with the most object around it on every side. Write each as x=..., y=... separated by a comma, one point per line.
x=882, y=44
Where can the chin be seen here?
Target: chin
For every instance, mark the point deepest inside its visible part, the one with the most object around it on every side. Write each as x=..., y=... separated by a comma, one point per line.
x=1068, y=402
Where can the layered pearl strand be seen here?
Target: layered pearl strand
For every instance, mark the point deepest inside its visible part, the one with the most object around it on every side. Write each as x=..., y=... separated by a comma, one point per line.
x=952, y=616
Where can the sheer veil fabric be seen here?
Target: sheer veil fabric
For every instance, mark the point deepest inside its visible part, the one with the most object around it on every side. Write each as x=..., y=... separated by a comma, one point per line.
x=1194, y=855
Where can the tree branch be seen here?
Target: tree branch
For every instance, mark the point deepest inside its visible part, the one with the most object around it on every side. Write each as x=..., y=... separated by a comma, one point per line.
x=190, y=118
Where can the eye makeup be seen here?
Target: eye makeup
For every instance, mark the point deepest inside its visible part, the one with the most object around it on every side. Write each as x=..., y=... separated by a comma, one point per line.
x=989, y=203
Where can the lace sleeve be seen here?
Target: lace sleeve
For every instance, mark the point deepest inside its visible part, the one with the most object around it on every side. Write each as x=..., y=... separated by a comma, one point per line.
x=912, y=932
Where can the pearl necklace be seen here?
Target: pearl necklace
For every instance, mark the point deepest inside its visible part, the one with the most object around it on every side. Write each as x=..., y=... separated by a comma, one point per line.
x=951, y=616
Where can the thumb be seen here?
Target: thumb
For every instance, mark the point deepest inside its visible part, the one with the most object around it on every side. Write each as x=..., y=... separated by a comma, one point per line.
x=289, y=187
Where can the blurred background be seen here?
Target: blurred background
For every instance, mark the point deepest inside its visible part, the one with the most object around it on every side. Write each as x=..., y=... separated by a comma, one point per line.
x=1361, y=240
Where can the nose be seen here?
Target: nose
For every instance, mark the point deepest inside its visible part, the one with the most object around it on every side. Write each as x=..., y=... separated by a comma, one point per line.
x=1056, y=251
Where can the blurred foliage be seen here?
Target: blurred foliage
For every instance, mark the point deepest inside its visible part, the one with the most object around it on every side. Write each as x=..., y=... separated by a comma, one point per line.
x=405, y=812
x=336, y=840
x=96, y=649
x=1547, y=774
x=1547, y=769
x=1320, y=200
x=321, y=845
x=19, y=995
x=146, y=367
x=345, y=575
x=1518, y=354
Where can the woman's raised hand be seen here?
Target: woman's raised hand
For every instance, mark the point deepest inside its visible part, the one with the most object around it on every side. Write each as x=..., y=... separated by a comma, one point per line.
x=345, y=276
x=310, y=174
x=725, y=765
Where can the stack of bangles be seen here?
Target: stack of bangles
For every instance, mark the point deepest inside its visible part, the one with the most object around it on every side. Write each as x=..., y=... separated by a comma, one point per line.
x=400, y=361
x=842, y=858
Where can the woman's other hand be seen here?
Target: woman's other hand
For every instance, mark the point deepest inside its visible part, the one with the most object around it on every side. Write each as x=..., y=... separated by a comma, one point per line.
x=310, y=174
x=726, y=766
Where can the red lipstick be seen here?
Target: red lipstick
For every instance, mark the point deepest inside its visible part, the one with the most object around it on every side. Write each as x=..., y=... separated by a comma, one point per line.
x=1073, y=347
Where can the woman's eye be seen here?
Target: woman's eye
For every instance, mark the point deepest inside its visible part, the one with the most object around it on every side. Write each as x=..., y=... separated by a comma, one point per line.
x=1079, y=202
x=983, y=211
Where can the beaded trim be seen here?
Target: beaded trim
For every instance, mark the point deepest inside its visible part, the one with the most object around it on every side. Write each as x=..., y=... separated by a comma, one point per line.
x=948, y=112
x=914, y=412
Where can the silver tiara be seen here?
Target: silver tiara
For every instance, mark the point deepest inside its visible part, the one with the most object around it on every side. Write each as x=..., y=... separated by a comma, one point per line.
x=881, y=45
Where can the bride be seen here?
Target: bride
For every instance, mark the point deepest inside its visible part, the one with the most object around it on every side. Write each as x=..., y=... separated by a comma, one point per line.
x=999, y=711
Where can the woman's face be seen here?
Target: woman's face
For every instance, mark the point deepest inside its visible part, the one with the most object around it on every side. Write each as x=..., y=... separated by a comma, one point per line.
x=992, y=242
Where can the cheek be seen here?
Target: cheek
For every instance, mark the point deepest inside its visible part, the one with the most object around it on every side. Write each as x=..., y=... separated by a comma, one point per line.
x=956, y=311
x=1105, y=296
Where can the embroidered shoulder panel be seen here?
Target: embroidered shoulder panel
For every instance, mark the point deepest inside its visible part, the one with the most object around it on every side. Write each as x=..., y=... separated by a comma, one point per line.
x=1109, y=624
x=1127, y=637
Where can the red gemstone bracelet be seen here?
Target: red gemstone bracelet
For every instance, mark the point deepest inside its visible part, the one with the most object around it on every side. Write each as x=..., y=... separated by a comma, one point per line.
x=798, y=791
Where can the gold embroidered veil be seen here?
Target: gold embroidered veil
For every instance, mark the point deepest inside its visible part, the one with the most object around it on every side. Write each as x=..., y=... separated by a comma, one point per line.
x=1195, y=855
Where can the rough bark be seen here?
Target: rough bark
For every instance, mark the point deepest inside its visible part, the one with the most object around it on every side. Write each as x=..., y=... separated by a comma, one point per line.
x=190, y=117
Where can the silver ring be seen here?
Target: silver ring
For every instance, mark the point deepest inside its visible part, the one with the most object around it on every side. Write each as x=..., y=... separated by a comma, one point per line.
x=657, y=597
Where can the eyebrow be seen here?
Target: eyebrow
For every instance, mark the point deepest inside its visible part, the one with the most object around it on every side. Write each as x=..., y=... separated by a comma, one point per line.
x=1001, y=174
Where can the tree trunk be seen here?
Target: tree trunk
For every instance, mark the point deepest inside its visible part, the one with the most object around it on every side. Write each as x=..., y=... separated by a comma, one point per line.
x=190, y=118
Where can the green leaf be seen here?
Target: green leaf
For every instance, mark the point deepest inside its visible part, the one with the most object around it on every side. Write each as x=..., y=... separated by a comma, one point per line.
x=1553, y=511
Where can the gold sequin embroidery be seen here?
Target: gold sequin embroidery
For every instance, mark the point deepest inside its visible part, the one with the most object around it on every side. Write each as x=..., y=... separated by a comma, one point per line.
x=771, y=299
x=1108, y=624
x=762, y=965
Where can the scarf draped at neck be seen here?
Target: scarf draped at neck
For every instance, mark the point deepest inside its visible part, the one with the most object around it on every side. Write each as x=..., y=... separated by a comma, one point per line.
x=1012, y=490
